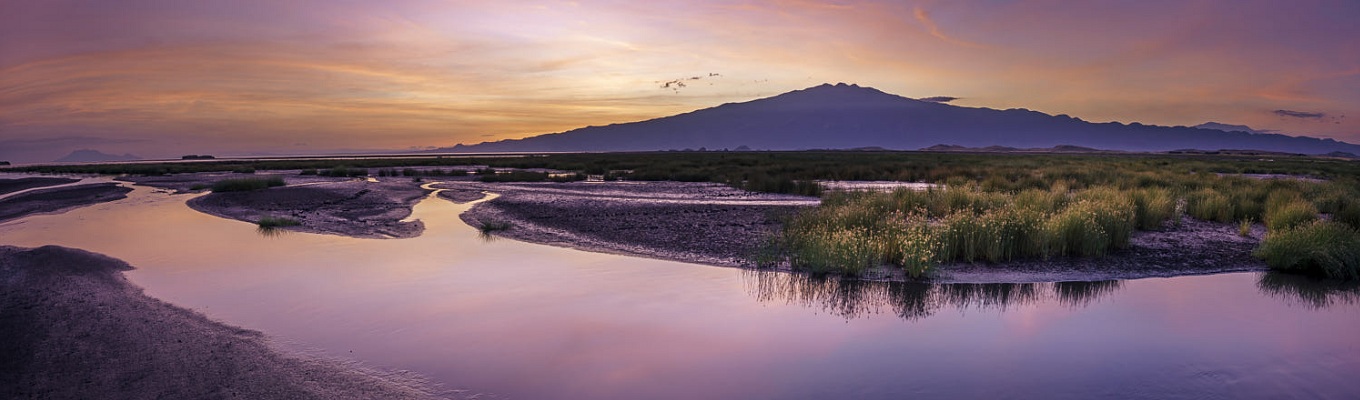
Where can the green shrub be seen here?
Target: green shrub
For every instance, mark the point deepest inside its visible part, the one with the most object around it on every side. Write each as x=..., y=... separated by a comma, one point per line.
x=1321, y=248
x=1153, y=207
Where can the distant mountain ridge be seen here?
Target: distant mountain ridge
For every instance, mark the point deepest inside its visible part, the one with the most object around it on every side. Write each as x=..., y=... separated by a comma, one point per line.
x=1229, y=127
x=88, y=155
x=845, y=116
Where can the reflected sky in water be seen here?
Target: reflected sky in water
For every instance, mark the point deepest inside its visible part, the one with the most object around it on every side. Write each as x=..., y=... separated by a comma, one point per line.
x=531, y=321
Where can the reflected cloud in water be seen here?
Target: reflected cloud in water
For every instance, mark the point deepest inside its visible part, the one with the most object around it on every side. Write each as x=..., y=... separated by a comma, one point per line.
x=853, y=298
x=1308, y=291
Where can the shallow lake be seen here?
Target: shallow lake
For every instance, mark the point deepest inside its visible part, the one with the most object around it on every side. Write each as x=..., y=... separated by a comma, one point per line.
x=520, y=320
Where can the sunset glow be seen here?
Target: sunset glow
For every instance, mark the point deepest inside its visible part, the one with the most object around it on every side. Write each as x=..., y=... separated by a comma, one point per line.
x=161, y=78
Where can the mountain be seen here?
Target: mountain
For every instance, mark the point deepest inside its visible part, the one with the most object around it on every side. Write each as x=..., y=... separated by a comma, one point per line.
x=845, y=116
x=88, y=155
x=1228, y=128
x=941, y=148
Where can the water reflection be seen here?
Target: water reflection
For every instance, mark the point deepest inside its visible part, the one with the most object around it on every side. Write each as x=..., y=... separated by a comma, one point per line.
x=853, y=298
x=269, y=231
x=1082, y=294
x=1310, y=292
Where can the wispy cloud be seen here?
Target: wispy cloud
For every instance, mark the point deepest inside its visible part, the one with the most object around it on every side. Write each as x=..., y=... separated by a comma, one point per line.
x=1300, y=114
x=938, y=99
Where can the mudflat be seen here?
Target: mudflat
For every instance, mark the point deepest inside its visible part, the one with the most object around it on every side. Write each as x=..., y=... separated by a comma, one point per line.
x=339, y=206
x=14, y=185
x=692, y=222
x=75, y=328
x=59, y=199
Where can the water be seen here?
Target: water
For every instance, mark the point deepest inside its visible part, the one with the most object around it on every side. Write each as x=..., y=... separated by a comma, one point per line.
x=529, y=321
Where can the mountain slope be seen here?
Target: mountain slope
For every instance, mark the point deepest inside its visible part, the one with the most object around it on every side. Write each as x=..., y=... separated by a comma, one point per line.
x=848, y=116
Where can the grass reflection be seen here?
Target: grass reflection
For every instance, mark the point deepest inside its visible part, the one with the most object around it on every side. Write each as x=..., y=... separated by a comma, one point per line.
x=1311, y=292
x=270, y=231
x=853, y=298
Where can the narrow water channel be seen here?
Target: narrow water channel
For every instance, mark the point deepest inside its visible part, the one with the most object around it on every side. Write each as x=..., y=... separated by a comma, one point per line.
x=529, y=321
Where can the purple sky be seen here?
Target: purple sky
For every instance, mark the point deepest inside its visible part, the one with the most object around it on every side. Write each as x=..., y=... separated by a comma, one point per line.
x=167, y=77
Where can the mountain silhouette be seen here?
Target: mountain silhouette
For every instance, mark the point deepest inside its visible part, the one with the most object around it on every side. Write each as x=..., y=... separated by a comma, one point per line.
x=88, y=155
x=1228, y=127
x=845, y=116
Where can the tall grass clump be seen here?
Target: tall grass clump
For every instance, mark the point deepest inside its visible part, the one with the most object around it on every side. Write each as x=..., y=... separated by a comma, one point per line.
x=1321, y=248
x=1153, y=207
x=917, y=230
x=848, y=251
x=1349, y=214
x=1210, y=205
x=247, y=184
x=1283, y=215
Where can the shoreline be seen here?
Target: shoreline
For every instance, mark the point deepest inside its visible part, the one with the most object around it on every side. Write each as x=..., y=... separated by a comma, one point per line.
x=75, y=327
x=698, y=223
x=550, y=214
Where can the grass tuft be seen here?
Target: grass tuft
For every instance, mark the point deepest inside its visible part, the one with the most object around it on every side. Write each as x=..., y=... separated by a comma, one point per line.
x=277, y=222
x=493, y=226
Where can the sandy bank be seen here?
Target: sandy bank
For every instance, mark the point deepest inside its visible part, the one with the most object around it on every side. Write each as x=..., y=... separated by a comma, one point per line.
x=75, y=328
x=717, y=225
x=339, y=206
x=59, y=199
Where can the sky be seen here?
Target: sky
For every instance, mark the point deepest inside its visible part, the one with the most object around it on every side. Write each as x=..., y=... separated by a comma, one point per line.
x=163, y=78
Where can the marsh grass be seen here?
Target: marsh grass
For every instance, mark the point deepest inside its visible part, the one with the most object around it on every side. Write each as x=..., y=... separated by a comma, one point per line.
x=1290, y=213
x=917, y=230
x=1322, y=248
x=247, y=184
x=493, y=226
x=270, y=222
